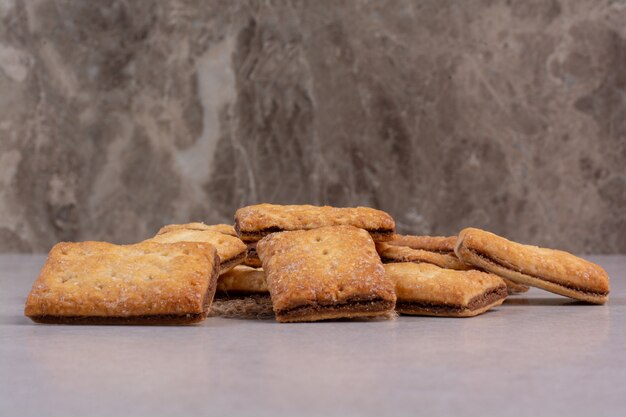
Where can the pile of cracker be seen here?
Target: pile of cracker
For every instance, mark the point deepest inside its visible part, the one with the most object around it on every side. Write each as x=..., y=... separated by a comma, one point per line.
x=298, y=263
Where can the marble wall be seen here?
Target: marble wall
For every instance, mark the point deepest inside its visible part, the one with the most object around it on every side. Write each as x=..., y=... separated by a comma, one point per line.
x=117, y=117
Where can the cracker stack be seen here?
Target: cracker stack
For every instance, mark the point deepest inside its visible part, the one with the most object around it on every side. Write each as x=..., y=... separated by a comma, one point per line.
x=318, y=263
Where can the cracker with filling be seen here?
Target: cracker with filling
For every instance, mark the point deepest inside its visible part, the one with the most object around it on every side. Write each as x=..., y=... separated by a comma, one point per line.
x=326, y=273
x=231, y=250
x=549, y=269
x=254, y=222
x=144, y=283
x=428, y=290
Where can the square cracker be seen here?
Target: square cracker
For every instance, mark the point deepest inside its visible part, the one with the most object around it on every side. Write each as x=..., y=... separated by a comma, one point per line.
x=144, y=283
x=226, y=229
x=325, y=273
x=426, y=289
x=254, y=222
x=550, y=269
x=231, y=250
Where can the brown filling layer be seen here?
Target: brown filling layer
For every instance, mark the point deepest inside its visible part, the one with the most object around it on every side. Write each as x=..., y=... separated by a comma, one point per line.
x=377, y=305
x=260, y=233
x=401, y=259
x=478, y=302
x=255, y=235
x=439, y=251
x=381, y=235
x=234, y=261
x=501, y=264
x=253, y=259
x=146, y=319
x=210, y=293
x=386, y=260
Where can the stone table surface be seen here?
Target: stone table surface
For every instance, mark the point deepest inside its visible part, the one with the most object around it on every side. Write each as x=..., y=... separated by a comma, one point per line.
x=538, y=354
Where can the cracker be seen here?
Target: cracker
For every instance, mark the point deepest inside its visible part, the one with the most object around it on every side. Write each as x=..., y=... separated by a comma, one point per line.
x=231, y=250
x=326, y=273
x=440, y=252
x=226, y=229
x=550, y=269
x=145, y=283
x=254, y=222
x=393, y=254
x=426, y=289
x=242, y=280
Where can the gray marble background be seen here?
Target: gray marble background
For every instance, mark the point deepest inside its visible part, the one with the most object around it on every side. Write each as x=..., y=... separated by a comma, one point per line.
x=117, y=117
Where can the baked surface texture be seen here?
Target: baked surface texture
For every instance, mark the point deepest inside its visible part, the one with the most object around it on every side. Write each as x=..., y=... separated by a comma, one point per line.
x=242, y=280
x=440, y=244
x=426, y=289
x=390, y=254
x=254, y=222
x=231, y=250
x=325, y=273
x=552, y=270
x=226, y=229
x=144, y=283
